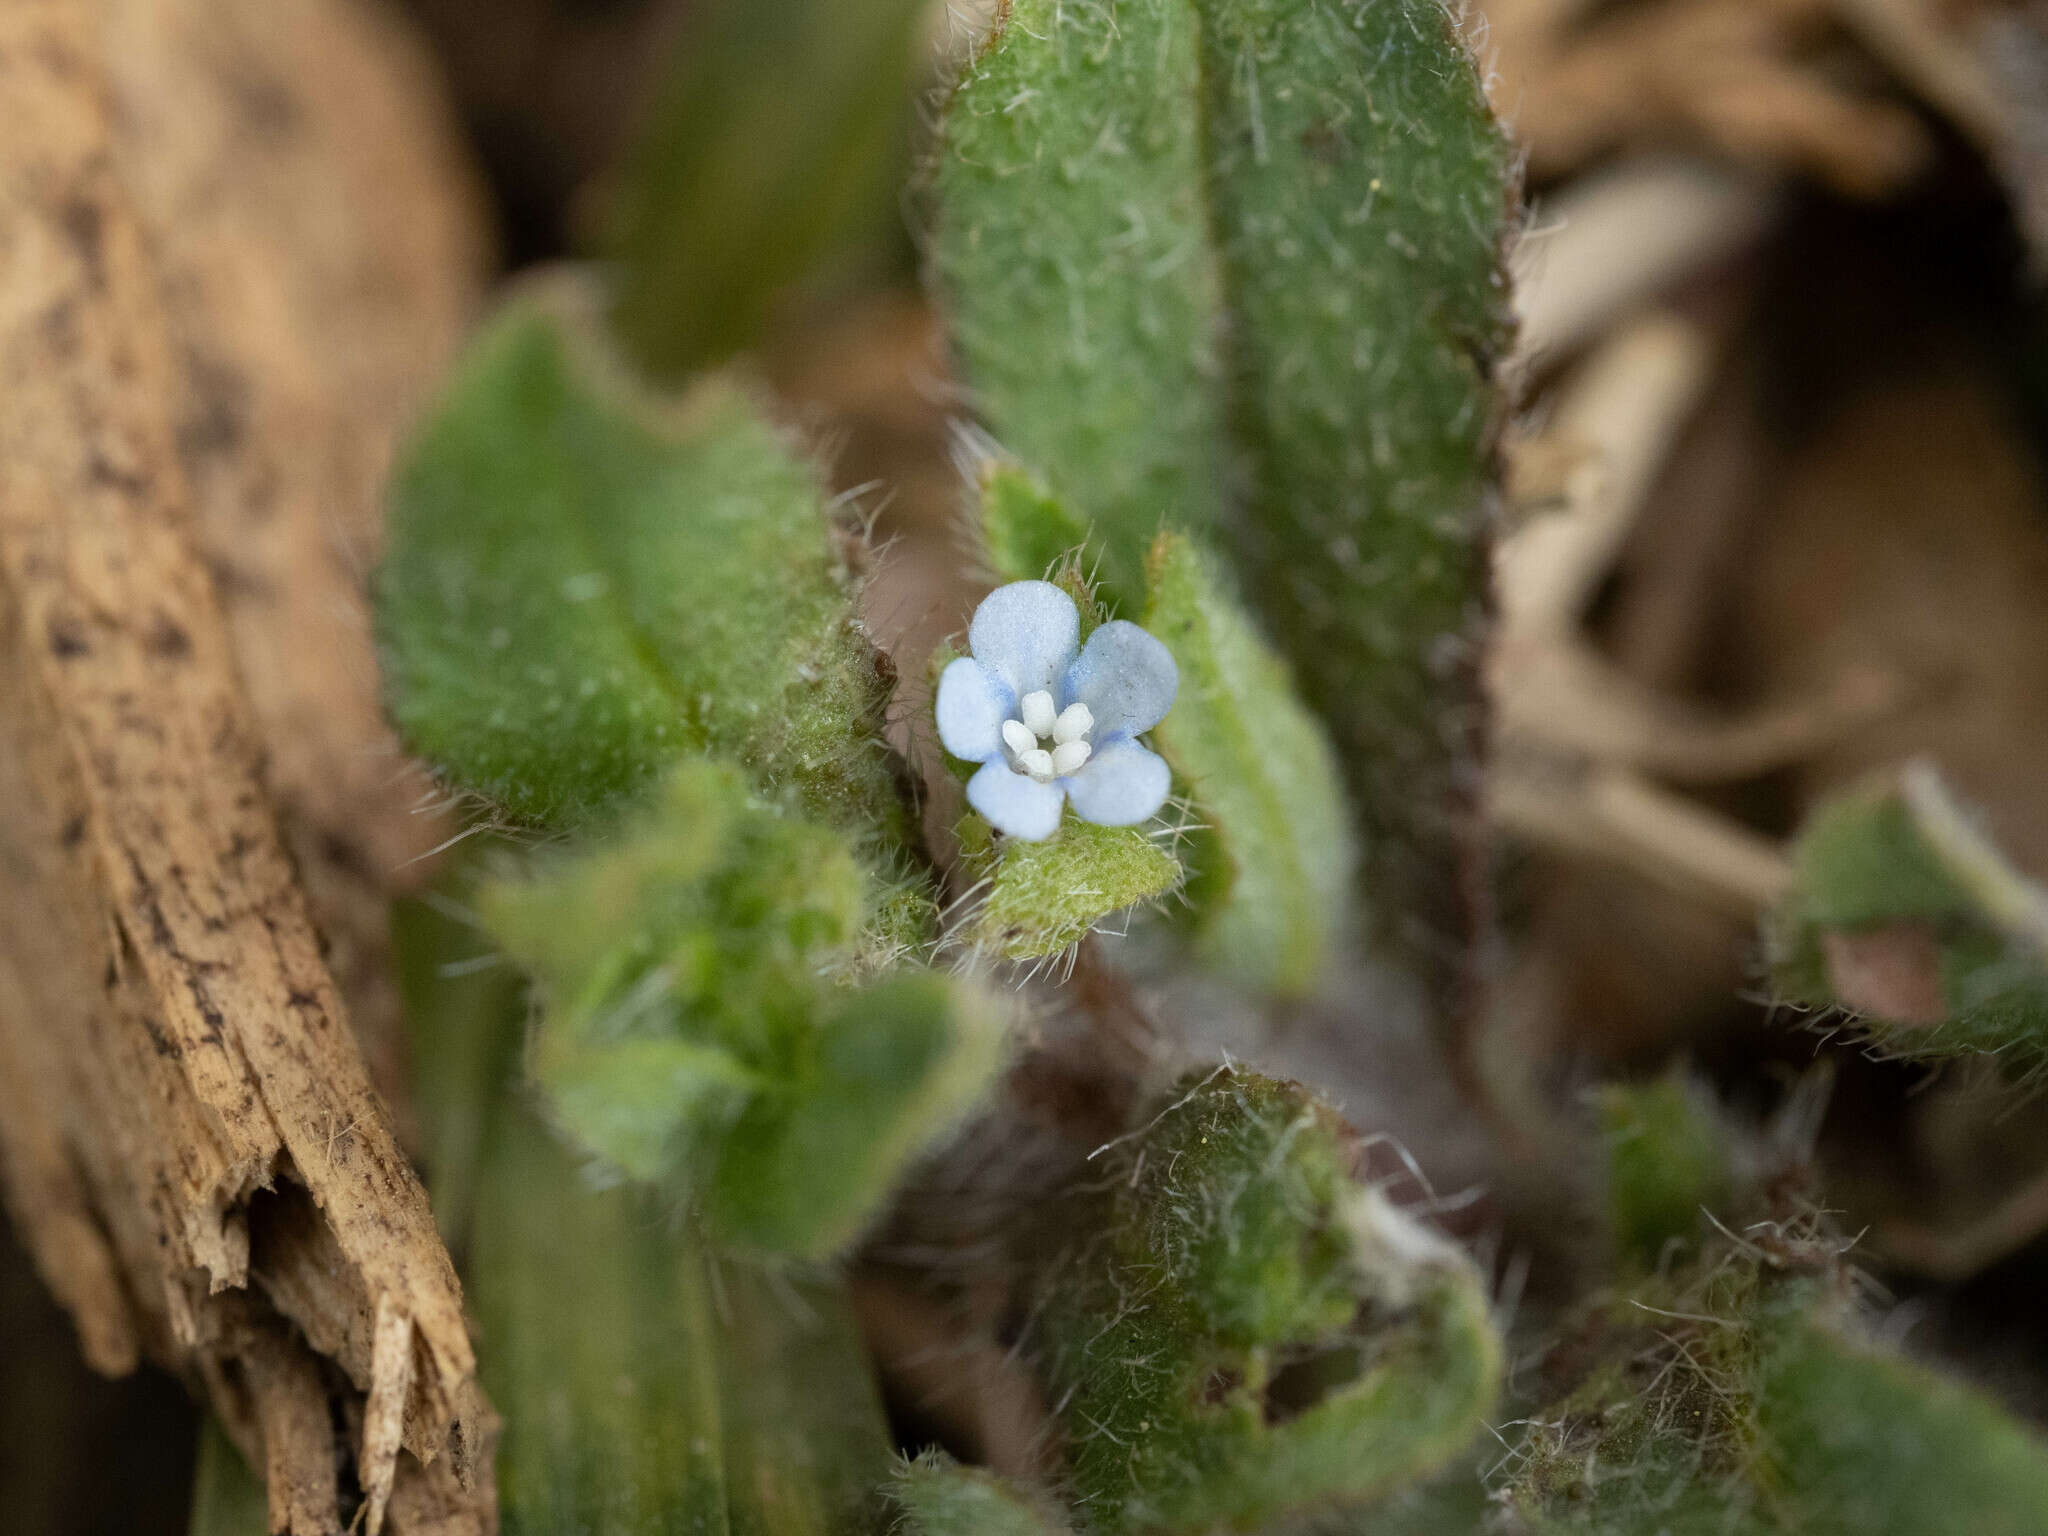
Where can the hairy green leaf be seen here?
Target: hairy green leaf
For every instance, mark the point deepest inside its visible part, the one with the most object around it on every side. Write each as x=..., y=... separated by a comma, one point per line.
x=1904, y=913
x=647, y=1385
x=804, y=1426
x=1080, y=282
x=1235, y=265
x=1667, y=1160
x=580, y=1292
x=1275, y=858
x=585, y=584
x=1237, y=1332
x=893, y=1068
x=691, y=1032
x=1864, y=1443
x=1359, y=191
x=1743, y=1390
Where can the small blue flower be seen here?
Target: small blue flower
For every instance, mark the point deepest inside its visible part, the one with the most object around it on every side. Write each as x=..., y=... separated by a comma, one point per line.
x=1049, y=725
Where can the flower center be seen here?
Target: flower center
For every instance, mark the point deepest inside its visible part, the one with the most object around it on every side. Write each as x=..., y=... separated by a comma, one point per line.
x=1039, y=722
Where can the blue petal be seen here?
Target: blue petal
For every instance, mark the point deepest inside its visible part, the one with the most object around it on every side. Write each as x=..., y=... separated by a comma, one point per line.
x=1026, y=634
x=1126, y=678
x=1015, y=802
x=1120, y=786
x=972, y=708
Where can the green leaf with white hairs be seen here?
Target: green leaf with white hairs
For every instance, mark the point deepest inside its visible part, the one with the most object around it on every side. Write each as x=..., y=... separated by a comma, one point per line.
x=1361, y=195
x=1904, y=913
x=1080, y=285
x=1235, y=1332
x=646, y=1383
x=1235, y=266
x=1862, y=1442
x=693, y=1035
x=586, y=583
x=602, y=1343
x=805, y=1431
x=1747, y=1391
x=1273, y=862
x=893, y=1068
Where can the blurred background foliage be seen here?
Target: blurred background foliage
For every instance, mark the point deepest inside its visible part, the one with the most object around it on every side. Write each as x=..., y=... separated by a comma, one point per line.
x=1771, y=626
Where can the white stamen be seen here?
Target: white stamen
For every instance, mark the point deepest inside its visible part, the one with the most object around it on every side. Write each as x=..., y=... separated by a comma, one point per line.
x=1038, y=713
x=1019, y=737
x=1075, y=721
x=1037, y=763
x=1069, y=755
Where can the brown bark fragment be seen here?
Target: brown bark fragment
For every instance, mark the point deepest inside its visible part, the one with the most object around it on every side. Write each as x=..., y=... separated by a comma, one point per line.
x=319, y=259
x=166, y=1016
x=290, y=1404
x=431, y=1501
x=46, y=1194
x=384, y=1412
x=1756, y=80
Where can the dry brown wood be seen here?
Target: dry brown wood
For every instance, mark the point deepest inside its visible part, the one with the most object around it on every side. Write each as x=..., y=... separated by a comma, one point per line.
x=1607, y=244
x=190, y=1146
x=289, y=1406
x=1753, y=79
x=1915, y=499
x=1578, y=738
x=318, y=256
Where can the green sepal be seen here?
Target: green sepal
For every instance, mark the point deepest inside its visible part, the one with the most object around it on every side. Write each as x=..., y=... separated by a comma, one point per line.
x=1274, y=860
x=939, y=1497
x=1043, y=897
x=1026, y=531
